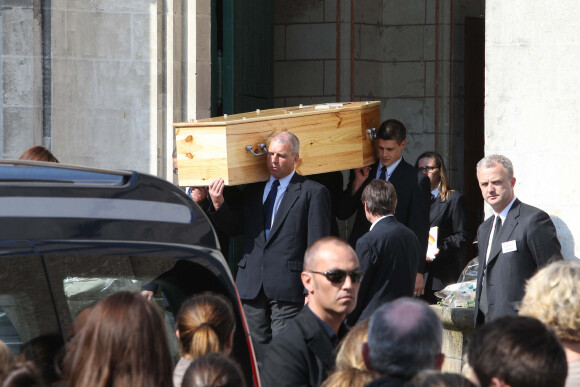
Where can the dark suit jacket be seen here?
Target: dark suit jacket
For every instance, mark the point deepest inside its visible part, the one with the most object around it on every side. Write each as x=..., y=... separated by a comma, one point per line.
x=537, y=245
x=413, y=194
x=302, y=218
x=389, y=255
x=453, y=236
x=301, y=355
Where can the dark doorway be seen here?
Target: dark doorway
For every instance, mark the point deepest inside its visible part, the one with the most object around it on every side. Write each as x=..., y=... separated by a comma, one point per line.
x=474, y=108
x=243, y=51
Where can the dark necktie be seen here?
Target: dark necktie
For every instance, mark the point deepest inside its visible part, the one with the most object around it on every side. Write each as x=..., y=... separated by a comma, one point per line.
x=433, y=197
x=269, y=206
x=383, y=175
x=483, y=299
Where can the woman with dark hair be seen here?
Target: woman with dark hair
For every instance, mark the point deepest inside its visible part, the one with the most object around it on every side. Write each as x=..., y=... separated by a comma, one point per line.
x=122, y=343
x=448, y=213
x=205, y=324
x=213, y=370
x=38, y=153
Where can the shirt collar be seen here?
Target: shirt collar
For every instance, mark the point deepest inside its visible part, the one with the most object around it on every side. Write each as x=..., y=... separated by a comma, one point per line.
x=435, y=192
x=505, y=211
x=378, y=220
x=331, y=334
x=283, y=181
x=391, y=168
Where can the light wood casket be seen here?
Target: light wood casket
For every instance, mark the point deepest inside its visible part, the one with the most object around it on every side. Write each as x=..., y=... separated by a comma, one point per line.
x=332, y=137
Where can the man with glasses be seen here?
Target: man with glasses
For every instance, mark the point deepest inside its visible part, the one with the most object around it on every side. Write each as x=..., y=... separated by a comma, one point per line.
x=303, y=353
x=389, y=253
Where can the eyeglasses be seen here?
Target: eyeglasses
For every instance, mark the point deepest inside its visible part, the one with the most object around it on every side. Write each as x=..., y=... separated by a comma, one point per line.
x=428, y=169
x=338, y=276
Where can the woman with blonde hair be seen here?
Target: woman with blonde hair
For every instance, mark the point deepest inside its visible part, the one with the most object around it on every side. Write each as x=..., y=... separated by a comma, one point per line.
x=122, y=343
x=553, y=297
x=350, y=368
x=205, y=324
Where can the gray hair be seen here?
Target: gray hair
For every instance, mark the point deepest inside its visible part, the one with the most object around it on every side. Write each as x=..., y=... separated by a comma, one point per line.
x=405, y=336
x=492, y=160
x=290, y=137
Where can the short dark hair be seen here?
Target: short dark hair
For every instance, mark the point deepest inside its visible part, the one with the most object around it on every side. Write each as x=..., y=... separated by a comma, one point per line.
x=519, y=350
x=405, y=337
x=392, y=130
x=380, y=197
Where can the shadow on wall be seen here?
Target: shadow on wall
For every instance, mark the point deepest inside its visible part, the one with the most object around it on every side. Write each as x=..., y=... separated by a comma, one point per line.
x=565, y=237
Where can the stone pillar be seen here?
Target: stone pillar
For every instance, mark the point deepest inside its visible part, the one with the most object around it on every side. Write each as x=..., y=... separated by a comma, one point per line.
x=457, y=330
x=532, y=100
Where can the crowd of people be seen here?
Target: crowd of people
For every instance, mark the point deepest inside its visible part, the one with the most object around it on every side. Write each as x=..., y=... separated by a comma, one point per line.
x=323, y=311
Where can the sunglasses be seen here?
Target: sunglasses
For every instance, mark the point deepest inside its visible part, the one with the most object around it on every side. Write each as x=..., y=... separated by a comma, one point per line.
x=338, y=276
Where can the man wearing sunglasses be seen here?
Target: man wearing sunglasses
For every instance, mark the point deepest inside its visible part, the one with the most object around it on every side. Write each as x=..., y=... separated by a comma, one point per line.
x=389, y=253
x=303, y=354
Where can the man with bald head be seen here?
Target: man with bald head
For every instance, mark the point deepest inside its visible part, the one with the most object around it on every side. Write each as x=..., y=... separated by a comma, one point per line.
x=279, y=219
x=405, y=337
x=302, y=354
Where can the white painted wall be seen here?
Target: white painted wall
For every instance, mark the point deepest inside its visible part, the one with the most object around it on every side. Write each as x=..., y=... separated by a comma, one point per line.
x=532, y=104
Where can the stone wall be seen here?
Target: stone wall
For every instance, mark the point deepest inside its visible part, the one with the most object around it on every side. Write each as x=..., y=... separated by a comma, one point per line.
x=115, y=76
x=408, y=55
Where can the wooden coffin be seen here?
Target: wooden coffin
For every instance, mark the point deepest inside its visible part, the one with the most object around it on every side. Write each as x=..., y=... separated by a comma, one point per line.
x=332, y=137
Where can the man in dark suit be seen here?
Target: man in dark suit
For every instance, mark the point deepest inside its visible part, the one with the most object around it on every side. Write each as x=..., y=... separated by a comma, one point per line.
x=412, y=189
x=302, y=354
x=389, y=253
x=512, y=244
x=279, y=220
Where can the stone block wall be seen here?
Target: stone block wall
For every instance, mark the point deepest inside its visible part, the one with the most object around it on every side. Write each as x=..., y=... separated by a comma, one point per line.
x=407, y=54
x=100, y=82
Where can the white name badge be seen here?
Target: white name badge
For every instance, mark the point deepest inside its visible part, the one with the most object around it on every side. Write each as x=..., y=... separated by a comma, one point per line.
x=508, y=247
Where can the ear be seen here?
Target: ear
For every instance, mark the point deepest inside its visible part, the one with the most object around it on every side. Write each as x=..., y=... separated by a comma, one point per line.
x=177, y=333
x=296, y=158
x=403, y=144
x=513, y=181
x=439, y=359
x=366, y=354
x=307, y=281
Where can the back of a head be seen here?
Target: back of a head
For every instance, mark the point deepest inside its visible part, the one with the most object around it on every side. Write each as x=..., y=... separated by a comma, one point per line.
x=380, y=197
x=432, y=378
x=22, y=375
x=348, y=377
x=205, y=323
x=518, y=350
x=38, y=153
x=405, y=337
x=121, y=343
x=213, y=370
x=46, y=352
x=552, y=296
x=349, y=354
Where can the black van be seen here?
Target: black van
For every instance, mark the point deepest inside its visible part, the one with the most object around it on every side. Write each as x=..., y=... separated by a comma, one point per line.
x=70, y=236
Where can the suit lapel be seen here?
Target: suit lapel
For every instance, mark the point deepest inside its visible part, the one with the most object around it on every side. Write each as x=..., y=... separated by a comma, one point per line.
x=506, y=231
x=437, y=208
x=290, y=196
x=317, y=339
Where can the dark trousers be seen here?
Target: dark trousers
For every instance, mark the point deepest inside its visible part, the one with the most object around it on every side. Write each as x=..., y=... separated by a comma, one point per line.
x=266, y=318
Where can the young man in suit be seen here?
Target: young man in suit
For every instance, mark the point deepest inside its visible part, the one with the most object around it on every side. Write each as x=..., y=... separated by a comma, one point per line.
x=512, y=244
x=302, y=354
x=279, y=219
x=412, y=189
x=389, y=253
